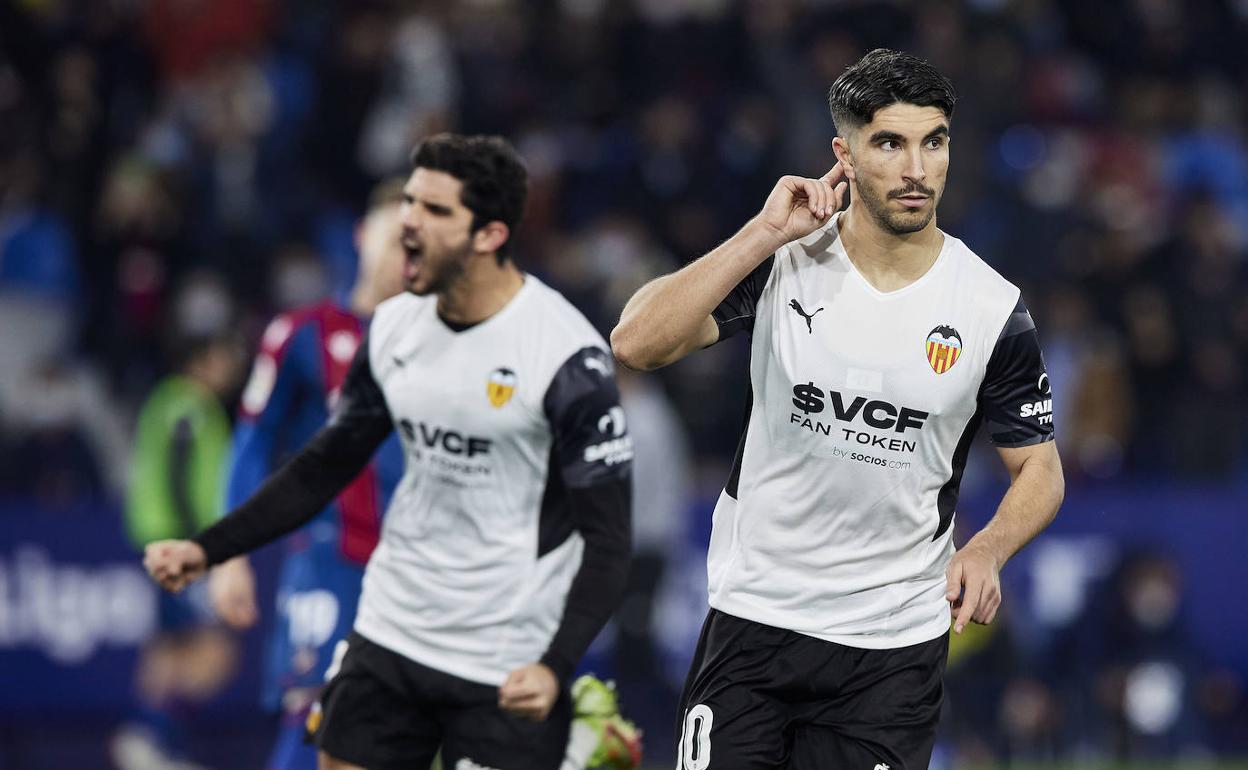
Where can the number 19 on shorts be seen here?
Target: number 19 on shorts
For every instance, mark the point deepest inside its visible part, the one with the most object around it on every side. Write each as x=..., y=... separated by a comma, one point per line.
x=694, y=751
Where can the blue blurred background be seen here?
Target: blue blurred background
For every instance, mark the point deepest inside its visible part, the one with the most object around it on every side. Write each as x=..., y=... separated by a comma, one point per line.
x=185, y=166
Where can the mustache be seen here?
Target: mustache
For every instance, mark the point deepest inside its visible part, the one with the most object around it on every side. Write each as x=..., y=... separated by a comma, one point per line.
x=913, y=187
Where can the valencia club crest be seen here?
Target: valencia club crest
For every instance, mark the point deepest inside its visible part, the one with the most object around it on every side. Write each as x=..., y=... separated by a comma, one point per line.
x=944, y=346
x=500, y=386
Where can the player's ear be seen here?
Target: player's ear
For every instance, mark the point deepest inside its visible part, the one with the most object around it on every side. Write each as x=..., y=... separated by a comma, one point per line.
x=490, y=237
x=840, y=148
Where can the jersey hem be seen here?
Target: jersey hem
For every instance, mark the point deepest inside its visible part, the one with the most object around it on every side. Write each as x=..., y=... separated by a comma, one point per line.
x=923, y=633
x=1029, y=441
x=403, y=646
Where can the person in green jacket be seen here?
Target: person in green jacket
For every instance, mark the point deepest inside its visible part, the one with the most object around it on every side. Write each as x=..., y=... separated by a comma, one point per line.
x=176, y=488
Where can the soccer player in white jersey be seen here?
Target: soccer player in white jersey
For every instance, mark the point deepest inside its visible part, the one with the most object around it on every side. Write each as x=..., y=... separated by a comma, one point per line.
x=505, y=547
x=879, y=346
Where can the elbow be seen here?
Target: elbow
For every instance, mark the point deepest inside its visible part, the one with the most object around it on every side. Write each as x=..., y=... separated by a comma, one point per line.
x=627, y=351
x=1058, y=489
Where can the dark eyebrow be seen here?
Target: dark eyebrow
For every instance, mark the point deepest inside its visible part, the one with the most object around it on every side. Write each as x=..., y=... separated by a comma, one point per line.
x=893, y=136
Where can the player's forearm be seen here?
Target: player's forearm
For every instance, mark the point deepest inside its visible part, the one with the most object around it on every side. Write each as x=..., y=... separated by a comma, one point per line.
x=1029, y=505
x=599, y=585
x=666, y=319
x=294, y=495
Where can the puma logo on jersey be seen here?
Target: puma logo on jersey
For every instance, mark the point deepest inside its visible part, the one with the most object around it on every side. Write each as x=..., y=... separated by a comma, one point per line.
x=797, y=307
x=596, y=364
x=881, y=766
x=467, y=764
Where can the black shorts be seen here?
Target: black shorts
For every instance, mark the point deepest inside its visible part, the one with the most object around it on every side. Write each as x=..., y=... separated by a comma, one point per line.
x=383, y=711
x=764, y=697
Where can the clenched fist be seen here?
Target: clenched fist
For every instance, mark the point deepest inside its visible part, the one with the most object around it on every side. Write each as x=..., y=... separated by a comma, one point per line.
x=530, y=692
x=174, y=564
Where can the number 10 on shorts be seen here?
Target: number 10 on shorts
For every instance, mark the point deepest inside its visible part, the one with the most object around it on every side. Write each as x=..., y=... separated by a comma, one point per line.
x=694, y=751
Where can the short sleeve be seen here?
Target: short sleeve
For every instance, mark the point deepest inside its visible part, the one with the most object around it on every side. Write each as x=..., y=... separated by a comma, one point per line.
x=588, y=429
x=1015, y=398
x=736, y=313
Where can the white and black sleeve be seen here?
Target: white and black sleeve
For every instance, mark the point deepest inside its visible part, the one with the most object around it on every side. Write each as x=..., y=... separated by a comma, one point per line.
x=590, y=491
x=736, y=313
x=1015, y=397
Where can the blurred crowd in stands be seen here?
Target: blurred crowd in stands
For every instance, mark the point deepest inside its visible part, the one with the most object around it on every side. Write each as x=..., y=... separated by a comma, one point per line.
x=172, y=166
x=170, y=169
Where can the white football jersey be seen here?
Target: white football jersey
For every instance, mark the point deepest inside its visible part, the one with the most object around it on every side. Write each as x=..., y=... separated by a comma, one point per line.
x=478, y=548
x=836, y=520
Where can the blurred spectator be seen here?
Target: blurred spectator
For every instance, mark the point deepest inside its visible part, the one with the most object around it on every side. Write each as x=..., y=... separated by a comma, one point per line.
x=1131, y=656
x=179, y=464
x=214, y=133
x=662, y=493
x=182, y=165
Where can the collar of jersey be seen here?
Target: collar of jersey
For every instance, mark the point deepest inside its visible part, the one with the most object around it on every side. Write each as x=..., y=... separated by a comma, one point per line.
x=502, y=313
x=838, y=248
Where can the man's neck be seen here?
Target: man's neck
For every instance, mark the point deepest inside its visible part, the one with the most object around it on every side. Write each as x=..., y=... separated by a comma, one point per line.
x=484, y=289
x=888, y=261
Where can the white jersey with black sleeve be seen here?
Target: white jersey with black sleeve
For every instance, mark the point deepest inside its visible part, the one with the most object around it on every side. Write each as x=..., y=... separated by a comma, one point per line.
x=836, y=519
x=507, y=540
x=513, y=436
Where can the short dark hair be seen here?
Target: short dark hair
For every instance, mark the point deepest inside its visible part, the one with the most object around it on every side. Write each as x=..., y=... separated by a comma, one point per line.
x=882, y=78
x=495, y=182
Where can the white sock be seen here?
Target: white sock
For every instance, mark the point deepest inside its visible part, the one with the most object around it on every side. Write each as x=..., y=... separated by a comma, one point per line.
x=582, y=742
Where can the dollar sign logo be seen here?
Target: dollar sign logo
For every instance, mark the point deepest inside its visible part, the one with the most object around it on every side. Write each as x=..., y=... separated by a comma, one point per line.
x=808, y=398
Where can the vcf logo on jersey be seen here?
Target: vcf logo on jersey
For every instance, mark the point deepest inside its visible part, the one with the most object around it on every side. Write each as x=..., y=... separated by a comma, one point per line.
x=500, y=386
x=944, y=347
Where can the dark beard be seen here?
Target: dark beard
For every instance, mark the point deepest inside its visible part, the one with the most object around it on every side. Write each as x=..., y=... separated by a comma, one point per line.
x=449, y=272
x=897, y=223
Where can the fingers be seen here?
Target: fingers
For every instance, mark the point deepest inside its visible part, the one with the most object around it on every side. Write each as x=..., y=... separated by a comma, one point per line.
x=168, y=565
x=534, y=705
x=813, y=192
x=838, y=195
x=989, y=603
x=981, y=595
x=515, y=682
x=835, y=175
x=953, y=580
x=970, y=600
x=524, y=698
x=529, y=692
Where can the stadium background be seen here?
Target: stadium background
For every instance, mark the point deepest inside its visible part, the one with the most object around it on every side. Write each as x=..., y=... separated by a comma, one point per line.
x=175, y=166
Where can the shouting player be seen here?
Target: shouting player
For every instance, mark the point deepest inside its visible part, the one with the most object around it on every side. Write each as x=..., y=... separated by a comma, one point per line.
x=505, y=547
x=303, y=359
x=879, y=346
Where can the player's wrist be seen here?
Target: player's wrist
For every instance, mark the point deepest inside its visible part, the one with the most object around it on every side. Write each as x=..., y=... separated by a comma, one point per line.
x=210, y=549
x=558, y=666
x=988, y=545
x=762, y=238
